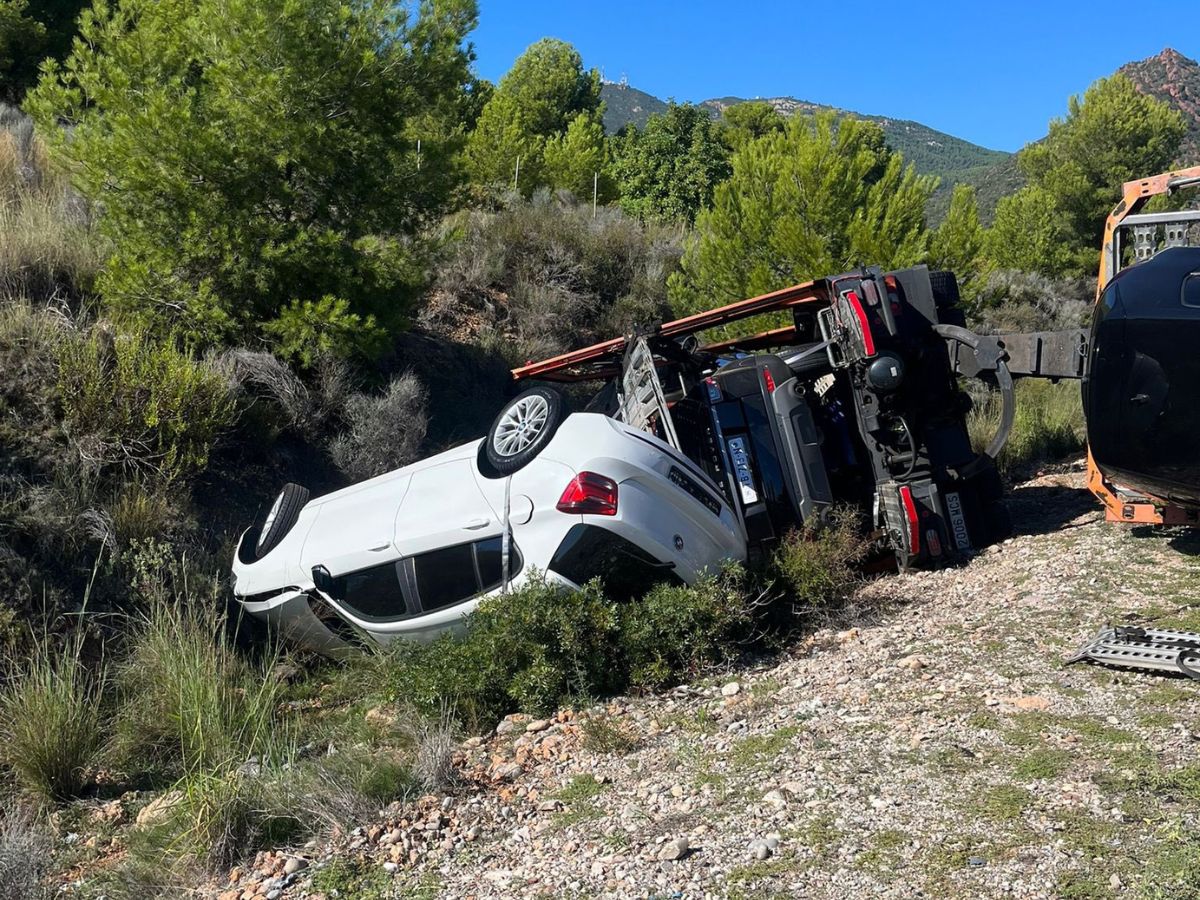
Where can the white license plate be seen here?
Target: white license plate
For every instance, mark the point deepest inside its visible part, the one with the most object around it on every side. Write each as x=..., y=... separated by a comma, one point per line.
x=958, y=522
x=742, y=471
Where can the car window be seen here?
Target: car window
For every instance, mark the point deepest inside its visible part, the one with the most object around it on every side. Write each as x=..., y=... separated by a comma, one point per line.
x=454, y=574
x=490, y=562
x=446, y=576
x=372, y=593
x=1191, y=290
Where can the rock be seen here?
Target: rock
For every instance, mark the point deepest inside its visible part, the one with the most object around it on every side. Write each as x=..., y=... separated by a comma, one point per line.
x=294, y=864
x=913, y=662
x=760, y=850
x=472, y=742
x=1029, y=702
x=156, y=811
x=730, y=689
x=379, y=717
x=390, y=867
x=549, y=806
x=537, y=725
x=976, y=861
x=676, y=849
x=506, y=771
x=775, y=798
x=772, y=841
x=506, y=726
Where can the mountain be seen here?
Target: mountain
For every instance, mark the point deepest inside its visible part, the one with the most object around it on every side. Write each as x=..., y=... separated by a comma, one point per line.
x=933, y=152
x=1172, y=77
x=624, y=105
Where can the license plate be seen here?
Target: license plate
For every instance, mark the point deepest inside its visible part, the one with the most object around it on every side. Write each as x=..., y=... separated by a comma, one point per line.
x=958, y=522
x=739, y=458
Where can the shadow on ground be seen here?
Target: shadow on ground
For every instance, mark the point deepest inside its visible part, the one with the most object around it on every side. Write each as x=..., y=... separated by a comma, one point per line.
x=1045, y=508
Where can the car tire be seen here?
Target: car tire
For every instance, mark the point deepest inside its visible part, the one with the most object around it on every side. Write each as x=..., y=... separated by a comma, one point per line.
x=280, y=518
x=945, y=289
x=523, y=428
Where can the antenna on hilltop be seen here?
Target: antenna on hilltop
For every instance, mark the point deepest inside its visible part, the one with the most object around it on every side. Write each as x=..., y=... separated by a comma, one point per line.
x=624, y=81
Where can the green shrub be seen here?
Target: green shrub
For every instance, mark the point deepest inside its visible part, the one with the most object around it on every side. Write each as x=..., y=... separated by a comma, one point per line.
x=50, y=731
x=1048, y=425
x=533, y=649
x=675, y=630
x=305, y=331
x=129, y=400
x=189, y=702
x=818, y=566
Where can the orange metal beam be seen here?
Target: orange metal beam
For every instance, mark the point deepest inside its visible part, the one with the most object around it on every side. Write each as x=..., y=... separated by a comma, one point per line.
x=809, y=292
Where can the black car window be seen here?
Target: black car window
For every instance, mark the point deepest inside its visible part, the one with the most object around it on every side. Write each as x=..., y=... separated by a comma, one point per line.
x=454, y=574
x=372, y=593
x=1191, y=290
x=446, y=576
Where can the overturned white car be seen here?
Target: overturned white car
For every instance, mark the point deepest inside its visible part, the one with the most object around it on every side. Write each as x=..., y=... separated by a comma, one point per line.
x=409, y=553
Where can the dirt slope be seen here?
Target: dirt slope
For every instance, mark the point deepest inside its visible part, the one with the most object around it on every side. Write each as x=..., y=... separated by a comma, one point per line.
x=936, y=747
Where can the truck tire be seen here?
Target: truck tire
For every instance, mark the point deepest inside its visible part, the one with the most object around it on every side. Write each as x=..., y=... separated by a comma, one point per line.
x=945, y=289
x=280, y=518
x=523, y=428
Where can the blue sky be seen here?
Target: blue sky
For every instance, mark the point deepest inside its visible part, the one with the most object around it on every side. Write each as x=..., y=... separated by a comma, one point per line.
x=992, y=73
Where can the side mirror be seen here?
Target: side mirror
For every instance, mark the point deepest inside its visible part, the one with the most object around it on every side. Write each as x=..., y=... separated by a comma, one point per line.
x=322, y=580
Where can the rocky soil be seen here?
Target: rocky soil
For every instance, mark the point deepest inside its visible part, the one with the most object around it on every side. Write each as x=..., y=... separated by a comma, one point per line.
x=934, y=745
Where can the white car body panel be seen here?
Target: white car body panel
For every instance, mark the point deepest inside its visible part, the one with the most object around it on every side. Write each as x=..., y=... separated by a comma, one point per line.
x=445, y=501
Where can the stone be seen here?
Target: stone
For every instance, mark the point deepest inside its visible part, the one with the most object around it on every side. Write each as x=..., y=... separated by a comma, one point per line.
x=676, y=849
x=976, y=861
x=913, y=662
x=1029, y=702
x=156, y=811
x=294, y=864
x=730, y=689
x=507, y=725
x=507, y=771
x=390, y=867
x=759, y=850
x=379, y=717
x=775, y=798
x=537, y=725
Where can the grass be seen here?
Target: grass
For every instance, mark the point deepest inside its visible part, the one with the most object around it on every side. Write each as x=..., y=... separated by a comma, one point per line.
x=580, y=787
x=1003, y=803
x=760, y=748
x=50, y=732
x=1045, y=762
x=605, y=734
x=1048, y=424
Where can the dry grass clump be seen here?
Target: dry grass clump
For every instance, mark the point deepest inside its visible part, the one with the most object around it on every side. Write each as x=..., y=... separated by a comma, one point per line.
x=536, y=277
x=47, y=244
x=385, y=431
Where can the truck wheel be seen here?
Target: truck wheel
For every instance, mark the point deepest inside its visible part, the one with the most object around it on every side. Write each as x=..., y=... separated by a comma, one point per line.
x=945, y=289
x=523, y=428
x=280, y=518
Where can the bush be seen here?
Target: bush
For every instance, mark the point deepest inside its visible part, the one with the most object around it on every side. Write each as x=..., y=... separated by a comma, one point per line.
x=141, y=404
x=189, y=701
x=1013, y=302
x=50, y=722
x=819, y=565
x=538, y=277
x=533, y=649
x=1048, y=425
x=385, y=432
x=26, y=858
x=675, y=630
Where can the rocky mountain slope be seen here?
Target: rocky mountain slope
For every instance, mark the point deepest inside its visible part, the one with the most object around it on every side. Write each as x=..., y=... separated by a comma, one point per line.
x=1172, y=77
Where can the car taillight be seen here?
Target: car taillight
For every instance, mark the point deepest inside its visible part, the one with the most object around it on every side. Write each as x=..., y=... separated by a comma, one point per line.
x=589, y=494
x=910, y=516
x=864, y=324
x=768, y=380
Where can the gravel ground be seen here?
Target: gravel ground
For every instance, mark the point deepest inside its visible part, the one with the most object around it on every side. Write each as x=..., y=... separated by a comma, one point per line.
x=935, y=747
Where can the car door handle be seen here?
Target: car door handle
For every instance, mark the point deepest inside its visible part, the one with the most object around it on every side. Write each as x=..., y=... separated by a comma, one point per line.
x=378, y=547
x=473, y=524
